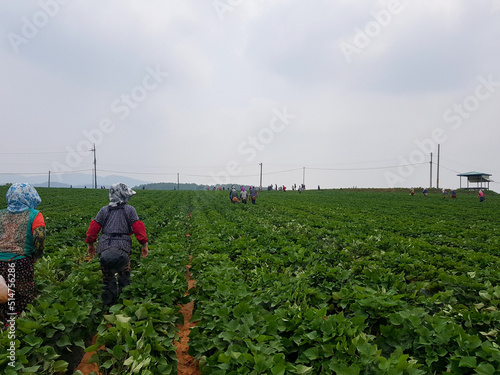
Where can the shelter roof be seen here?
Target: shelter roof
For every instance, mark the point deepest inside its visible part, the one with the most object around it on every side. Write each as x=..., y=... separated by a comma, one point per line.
x=470, y=174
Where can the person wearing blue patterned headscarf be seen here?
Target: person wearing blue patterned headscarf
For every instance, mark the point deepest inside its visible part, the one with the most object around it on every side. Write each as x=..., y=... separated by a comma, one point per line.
x=22, y=240
x=21, y=197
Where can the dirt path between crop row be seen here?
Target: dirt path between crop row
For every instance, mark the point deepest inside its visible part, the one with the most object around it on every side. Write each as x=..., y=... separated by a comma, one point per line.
x=85, y=367
x=186, y=365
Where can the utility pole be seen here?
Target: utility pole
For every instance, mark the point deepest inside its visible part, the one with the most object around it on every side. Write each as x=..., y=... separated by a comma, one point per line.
x=430, y=164
x=303, y=176
x=178, y=184
x=260, y=176
x=439, y=152
x=49, y=180
x=95, y=168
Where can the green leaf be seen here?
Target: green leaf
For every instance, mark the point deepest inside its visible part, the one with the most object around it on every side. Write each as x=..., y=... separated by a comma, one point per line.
x=367, y=349
x=63, y=341
x=485, y=369
x=123, y=318
x=469, y=362
x=261, y=364
x=107, y=364
x=49, y=332
x=59, y=326
x=61, y=366
x=92, y=348
x=240, y=309
x=278, y=369
x=301, y=369
x=32, y=340
x=312, y=335
x=129, y=361
x=141, y=313
x=312, y=353
x=118, y=351
x=110, y=318
x=264, y=338
x=30, y=370
x=142, y=364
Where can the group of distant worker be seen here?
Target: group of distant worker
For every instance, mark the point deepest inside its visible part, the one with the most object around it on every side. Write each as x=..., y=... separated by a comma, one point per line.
x=243, y=195
x=444, y=192
x=283, y=188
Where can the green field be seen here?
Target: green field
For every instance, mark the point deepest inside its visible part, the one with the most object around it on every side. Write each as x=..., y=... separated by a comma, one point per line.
x=322, y=282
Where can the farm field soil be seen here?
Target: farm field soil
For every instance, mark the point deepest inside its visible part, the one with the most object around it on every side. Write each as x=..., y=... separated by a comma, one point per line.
x=187, y=365
x=86, y=368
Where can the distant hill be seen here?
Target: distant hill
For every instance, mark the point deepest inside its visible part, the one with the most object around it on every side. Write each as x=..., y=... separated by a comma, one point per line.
x=76, y=180
x=82, y=180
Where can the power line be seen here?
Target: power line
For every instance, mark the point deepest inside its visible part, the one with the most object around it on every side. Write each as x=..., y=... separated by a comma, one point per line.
x=40, y=173
x=366, y=169
x=34, y=153
x=143, y=173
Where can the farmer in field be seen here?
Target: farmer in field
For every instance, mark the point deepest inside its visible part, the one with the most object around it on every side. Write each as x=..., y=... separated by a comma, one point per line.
x=444, y=192
x=243, y=195
x=481, y=196
x=425, y=192
x=253, y=194
x=22, y=240
x=117, y=221
x=233, y=195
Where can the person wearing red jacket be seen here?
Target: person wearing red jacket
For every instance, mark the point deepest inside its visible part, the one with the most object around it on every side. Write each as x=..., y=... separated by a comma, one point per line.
x=117, y=222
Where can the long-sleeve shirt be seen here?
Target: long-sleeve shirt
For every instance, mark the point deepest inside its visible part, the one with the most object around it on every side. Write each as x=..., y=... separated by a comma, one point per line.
x=117, y=225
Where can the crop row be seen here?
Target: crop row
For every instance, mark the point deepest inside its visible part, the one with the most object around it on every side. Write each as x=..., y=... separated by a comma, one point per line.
x=341, y=282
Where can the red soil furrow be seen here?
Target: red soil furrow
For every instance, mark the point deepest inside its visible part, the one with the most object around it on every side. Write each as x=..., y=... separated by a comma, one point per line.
x=86, y=368
x=186, y=365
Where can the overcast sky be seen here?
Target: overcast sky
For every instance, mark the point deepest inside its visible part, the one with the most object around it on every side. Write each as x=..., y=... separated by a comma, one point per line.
x=357, y=92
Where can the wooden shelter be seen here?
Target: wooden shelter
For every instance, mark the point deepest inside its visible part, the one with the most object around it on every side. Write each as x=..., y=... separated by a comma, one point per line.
x=476, y=180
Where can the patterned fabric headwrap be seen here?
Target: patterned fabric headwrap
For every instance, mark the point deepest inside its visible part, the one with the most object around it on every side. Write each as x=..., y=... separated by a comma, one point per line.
x=22, y=196
x=119, y=194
